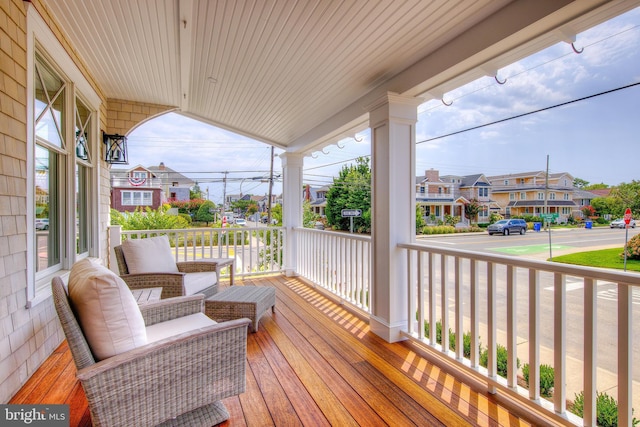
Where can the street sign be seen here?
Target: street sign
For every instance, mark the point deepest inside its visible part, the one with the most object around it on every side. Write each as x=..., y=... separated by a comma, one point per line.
x=351, y=213
x=549, y=217
x=627, y=216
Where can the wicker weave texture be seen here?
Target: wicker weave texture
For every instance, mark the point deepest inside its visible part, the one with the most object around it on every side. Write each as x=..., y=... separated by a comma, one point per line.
x=172, y=284
x=179, y=380
x=241, y=301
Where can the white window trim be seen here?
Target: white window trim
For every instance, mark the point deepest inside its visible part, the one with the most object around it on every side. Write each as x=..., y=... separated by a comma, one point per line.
x=39, y=32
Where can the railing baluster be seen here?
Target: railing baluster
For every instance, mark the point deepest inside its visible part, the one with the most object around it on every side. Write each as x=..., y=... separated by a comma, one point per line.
x=512, y=330
x=534, y=335
x=421, y=293
x=590, y=313
x=625, y=351
x=474, y=313
x=458, y=307
x=444, y=303
x=559, y=344
x=492, y=365
x=432, y=300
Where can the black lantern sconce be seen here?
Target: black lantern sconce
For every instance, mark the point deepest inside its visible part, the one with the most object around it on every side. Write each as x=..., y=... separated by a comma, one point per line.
x=116, y=149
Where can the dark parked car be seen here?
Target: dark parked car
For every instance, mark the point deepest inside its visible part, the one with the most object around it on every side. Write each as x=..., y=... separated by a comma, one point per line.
x=508, y=226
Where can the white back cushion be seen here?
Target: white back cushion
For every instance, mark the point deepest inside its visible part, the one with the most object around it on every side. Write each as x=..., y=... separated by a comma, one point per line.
x=151, y=255
x=107, y=311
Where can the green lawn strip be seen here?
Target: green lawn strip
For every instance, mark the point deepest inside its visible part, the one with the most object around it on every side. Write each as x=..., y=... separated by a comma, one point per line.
x=605, y=258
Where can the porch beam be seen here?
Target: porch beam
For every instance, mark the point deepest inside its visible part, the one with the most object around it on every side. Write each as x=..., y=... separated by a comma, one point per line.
x=393, y=215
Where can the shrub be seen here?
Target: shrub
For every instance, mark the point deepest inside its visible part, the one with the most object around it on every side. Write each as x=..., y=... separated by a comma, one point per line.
x=546, y=378
x=606, y=409
x=633, y=248
x=502, y=359
x=438, y=229
x=466, y=338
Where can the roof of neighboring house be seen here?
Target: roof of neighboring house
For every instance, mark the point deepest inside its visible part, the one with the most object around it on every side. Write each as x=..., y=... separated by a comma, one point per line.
x=601, y=192
x=583, y=194
x=170, y=176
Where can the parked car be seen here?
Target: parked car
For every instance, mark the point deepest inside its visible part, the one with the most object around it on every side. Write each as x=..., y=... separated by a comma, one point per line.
x=241, y=221
x=619, y=223
x=42, y=223
x=508, y=226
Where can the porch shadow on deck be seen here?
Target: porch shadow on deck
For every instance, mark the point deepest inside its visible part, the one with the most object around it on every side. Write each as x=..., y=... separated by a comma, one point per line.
x=314, y=363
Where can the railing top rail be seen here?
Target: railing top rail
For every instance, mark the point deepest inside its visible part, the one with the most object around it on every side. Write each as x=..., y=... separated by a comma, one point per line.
x=341, y=234
x=195, y=229
x=629, y=278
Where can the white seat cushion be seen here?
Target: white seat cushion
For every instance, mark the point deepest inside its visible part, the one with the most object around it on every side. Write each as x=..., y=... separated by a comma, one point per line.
x=151, y=255
x=177, y=326
x=196, y=282
x=107, y=311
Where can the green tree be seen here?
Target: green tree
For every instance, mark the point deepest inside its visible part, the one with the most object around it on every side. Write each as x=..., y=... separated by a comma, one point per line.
x=244, y=205
x=195, y=192
x=351, y=190
x=600, y=186
x=309, y=217
x=148, y=219
x=206, y=212
x=580, y=183
x=471, y=210
x=626, y=195
x=420, y=223
x=605, y=205
x=276, y=214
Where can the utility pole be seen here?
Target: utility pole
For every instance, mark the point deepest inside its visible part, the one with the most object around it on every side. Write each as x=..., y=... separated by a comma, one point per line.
x=224, y=193
x=270, y=190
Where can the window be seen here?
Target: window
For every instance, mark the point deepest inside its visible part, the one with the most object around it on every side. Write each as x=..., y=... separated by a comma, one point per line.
x=540, y=195
x=62, y=191
x=483, y=192
x=50, y=161
x=565, y=196
x=512, y=196
x=137, y=198
x=523, y=196
x=552, y=196
x=422, y=189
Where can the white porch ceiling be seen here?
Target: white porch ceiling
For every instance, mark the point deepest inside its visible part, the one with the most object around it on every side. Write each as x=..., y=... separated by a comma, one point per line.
x=298, y=73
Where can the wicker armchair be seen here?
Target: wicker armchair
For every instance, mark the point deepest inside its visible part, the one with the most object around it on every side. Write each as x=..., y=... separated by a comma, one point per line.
x=172, y=284
x=178, y=380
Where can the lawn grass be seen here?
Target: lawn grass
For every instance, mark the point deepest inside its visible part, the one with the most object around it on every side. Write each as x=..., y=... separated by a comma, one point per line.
x=605, y=258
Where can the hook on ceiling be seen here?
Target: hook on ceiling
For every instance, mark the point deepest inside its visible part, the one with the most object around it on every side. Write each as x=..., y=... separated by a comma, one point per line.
x=498, y=80
x=573, y=46
x=445, y=103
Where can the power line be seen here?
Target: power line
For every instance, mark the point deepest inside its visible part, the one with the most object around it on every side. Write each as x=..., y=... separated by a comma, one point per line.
x=529, y=113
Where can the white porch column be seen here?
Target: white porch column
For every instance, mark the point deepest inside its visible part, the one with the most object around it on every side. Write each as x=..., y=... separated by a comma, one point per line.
x=292, y=164
x=393, y=217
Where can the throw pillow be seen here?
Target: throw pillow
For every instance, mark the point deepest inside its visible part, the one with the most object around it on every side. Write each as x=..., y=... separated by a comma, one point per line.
x=107, y=311
x=151, y=255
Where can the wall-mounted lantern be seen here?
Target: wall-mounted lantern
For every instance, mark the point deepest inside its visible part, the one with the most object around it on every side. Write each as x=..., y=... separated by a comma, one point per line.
x=116, y=149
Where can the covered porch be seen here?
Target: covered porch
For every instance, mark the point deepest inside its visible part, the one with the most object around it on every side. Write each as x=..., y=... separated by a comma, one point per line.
x=298, y=76
x=315, y=363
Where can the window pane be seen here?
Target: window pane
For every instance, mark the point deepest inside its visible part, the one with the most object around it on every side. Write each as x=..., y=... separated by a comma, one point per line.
x=46, y=200
x=49, y=104
x=83, y=126
x=82, y=209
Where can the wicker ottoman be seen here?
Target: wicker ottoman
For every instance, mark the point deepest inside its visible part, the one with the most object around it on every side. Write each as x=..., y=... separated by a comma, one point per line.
x=241, y=301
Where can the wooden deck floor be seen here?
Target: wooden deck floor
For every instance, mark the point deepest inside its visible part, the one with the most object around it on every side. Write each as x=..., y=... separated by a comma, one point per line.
x=312, y=363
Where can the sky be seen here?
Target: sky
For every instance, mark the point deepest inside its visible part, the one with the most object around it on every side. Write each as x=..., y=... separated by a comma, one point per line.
x=596, y=139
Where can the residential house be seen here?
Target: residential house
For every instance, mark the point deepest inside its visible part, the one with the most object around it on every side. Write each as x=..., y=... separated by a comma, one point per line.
x=135, y=188
x=438, y=198
x=533, y=193
x=317, y=198
x=141, y=187
x=175, y=186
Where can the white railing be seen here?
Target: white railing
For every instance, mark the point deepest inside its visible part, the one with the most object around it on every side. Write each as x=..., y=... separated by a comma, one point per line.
x=257, y=250
x=140, y=183
x=336, y=262
x=542, y=312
